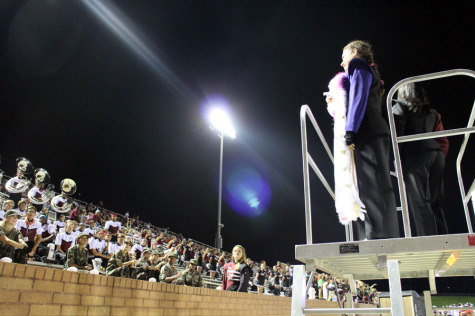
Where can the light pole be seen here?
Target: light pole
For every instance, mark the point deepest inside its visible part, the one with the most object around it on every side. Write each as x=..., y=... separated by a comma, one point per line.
x=220, y=121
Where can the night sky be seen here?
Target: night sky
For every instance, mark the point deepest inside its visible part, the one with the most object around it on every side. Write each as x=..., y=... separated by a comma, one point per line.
x=126, y=119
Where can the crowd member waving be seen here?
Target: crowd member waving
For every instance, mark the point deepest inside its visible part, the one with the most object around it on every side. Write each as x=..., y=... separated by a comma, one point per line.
x=237, y=273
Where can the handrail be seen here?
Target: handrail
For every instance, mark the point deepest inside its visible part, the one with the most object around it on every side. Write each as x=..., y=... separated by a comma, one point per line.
x=308, y=160
x=395, y=140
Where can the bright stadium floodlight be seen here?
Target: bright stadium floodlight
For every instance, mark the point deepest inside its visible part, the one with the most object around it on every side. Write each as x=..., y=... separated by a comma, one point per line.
x=220, y=121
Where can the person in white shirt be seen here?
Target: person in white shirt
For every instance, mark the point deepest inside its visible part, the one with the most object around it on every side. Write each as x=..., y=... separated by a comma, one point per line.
x=98, y=247
x=113, y=227
x=48, y=235
x=138, y=248
x=60, y=223
x=31, y=231
x=113, y=247
x=21, y=210
x=63, y=242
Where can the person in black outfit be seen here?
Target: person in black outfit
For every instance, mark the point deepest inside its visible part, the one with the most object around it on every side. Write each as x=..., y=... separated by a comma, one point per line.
x=367, y=134
x=422, y=161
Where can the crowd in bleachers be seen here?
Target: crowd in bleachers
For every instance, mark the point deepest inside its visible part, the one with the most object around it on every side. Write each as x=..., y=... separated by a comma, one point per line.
x=92, y=238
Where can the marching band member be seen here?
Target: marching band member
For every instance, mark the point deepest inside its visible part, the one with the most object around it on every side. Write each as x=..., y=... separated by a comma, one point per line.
x=19, y=184
x=48, y=235
x=64, y=241
x=113, y=226
x=31, y=230
x=7, y=206
x=39, y=195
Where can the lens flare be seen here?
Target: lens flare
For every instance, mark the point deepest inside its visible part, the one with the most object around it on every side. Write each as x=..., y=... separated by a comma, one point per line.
x=247, y=192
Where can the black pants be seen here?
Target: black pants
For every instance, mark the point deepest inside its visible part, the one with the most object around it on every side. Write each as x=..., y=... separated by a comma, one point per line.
x=375, y=188
x=424, y=179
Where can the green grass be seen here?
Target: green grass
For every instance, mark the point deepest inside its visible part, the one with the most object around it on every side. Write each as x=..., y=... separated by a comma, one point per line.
x=448, y=300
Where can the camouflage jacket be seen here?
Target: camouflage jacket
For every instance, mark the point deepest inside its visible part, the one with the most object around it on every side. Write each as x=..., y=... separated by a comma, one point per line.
x=142, y=265
x=166, y=272
x=117, y=258
x=192, y=278
x=76, y=256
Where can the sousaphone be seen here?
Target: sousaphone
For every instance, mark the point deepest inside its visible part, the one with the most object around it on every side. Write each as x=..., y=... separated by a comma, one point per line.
x=60, y=202
x=19, y=184
x=38, y=194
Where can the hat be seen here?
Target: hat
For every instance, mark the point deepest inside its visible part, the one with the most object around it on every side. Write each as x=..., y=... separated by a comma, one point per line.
x=194, y=262
x=81, y=235
x=173, y=254
x=102, y=231
x=11, y=213
x=80, y=224
x=42, y=216
x=146, y=250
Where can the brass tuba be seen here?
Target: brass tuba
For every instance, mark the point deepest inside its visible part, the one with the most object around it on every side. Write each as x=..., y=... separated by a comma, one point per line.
x=60, y=202
x=19, y=184
x=38, y=194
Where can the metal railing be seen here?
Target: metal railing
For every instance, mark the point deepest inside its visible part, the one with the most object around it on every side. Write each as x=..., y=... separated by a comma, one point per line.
x=308, y=160
x=459, y=131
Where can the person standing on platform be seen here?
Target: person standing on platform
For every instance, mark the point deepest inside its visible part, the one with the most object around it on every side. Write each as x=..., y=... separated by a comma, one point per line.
x=368, y=136
x=237, y=273
x=423, y=161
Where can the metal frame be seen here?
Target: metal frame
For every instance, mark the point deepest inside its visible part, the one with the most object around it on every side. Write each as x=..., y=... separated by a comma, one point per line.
x=308, y=160
x=460, y=131
x=390, y=258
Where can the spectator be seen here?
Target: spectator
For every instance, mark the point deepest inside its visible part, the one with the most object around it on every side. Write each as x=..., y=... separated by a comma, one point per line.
x=138, y=248
x=213, y=261
x=47, y=236
x=10, y=237
x=113, y=247
x=90, y=230
x=21, y=210
x=237, y=273
x=60, y=223
x=113, y=226
x=7, y=205
x=261, y=278
x=120, y=263
x=77, y=255
x=31, y=231
x=144, y=268
x=63, y=242
x=98, y=247
x=168, y=273
x=96, y=217
x=75, y=213
x=191, y=277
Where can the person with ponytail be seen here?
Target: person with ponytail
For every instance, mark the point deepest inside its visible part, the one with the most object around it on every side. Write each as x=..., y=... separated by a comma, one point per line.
x=368, y=136
x=237, y=273
x=423, y=161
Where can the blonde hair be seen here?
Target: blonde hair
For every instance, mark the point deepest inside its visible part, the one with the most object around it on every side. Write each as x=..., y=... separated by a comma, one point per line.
x=243, y=258
x=8, y=202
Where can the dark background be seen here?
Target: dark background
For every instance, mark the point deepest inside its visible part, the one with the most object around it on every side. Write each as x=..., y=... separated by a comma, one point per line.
x=127, y=126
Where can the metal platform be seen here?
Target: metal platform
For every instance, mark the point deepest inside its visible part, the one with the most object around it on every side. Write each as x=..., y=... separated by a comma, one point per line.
x=392, y=259
x=418, y=257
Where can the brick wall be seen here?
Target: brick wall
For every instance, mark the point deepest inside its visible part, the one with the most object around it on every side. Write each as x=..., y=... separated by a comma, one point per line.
x=30, y=290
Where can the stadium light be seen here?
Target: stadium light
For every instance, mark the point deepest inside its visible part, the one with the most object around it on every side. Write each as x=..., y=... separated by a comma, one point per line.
x=220, y=121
